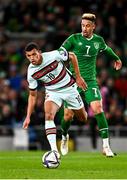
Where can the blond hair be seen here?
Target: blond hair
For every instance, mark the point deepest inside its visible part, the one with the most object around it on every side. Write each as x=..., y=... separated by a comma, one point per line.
x=89, y=16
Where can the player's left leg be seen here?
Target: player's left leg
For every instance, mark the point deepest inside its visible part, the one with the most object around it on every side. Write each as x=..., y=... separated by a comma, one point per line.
x=94, y=99
x=81, y=114
x=65, y=125
x=103, y=126
x=68, y=114
x=75, y=105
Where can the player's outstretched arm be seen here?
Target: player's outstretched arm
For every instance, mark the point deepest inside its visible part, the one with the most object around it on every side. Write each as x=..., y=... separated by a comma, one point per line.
x=112, y=55
x=79, y=80
x=31, y=104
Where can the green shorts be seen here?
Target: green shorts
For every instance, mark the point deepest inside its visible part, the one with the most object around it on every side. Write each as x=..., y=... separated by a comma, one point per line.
x=92, y=93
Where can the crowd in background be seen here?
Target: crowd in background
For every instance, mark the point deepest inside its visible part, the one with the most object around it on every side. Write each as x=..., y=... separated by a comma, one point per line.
x=49, y=23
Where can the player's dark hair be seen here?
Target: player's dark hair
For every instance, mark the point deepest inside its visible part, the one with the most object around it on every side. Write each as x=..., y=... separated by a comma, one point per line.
x=89, y=16
x=30, y=46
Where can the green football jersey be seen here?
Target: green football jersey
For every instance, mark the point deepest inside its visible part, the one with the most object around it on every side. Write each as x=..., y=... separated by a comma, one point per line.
x=86, y=51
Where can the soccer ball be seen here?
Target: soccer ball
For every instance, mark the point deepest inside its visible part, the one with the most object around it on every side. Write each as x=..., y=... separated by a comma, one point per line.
x=50, y=159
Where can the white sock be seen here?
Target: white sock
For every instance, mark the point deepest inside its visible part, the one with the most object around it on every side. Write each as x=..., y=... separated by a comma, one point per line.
x=50, y=129
x=106, y=142
x=64, y=137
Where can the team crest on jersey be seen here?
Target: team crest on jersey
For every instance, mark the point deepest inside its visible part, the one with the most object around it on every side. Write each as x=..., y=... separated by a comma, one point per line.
x=96, y=45
x=80, y=43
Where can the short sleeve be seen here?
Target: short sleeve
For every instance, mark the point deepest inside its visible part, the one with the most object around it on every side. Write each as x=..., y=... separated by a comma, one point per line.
x=32, y=83
x=103, y=45
x=62, y=54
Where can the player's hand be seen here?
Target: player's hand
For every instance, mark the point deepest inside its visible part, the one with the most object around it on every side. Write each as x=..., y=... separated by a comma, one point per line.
x=118, y=65
x=81, y=83
x=26, y=123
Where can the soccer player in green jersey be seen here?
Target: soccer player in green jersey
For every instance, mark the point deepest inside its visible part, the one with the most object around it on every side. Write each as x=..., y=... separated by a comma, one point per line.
x=87, y=45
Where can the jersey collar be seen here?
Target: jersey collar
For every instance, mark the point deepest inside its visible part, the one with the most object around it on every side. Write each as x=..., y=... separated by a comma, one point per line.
x=88, y=38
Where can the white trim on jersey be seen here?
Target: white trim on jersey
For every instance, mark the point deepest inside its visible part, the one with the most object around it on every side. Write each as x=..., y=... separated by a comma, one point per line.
x=103, y=49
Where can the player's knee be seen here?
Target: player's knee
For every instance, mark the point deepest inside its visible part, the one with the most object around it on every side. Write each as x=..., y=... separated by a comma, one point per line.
x=98, y=109
x=83, y=118
x=49, y=115
x=68, y=116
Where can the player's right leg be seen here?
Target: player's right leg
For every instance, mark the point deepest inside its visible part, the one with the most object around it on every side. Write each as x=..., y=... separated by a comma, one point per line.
x=50, y=127
x=51, y=106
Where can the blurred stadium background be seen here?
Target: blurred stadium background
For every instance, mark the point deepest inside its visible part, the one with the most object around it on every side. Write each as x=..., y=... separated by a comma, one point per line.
x=49, y=23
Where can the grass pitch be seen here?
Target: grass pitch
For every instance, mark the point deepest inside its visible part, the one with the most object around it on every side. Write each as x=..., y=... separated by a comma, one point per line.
x=75, y=165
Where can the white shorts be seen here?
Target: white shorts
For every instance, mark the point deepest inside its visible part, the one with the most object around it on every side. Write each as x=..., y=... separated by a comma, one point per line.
x=70, y=95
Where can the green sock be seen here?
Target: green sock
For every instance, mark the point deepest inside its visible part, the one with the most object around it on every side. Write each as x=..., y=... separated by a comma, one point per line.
x=102, y=125
x=65, y=126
